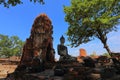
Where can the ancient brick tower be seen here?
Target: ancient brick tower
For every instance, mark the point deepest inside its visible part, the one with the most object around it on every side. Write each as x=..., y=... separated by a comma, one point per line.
x=40, y=43
x=82, y=52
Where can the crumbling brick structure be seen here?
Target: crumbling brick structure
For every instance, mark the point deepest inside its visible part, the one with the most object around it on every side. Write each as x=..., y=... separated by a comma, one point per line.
x=40, y=42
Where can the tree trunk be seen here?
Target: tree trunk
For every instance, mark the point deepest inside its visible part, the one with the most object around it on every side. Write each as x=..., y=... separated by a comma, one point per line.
x=104, y=41
x=107, y=48
x=102, y=36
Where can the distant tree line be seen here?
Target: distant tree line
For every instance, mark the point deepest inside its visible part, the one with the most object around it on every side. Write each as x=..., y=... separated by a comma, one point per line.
x=95, y=54
x=10, y=46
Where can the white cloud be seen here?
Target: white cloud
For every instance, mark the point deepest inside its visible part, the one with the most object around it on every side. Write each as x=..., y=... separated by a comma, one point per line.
x=97, y=46
x=90, y=47
x=114, y=41
x=114, y=38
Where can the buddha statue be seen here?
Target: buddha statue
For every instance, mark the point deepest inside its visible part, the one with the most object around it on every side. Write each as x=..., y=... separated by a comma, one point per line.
x=63, y=51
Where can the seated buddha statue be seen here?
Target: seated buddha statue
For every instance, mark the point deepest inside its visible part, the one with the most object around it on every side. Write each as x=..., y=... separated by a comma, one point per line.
x=63, y=51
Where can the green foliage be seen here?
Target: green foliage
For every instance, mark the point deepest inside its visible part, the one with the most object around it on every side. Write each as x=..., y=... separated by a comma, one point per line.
x=8, y=3
x=93, y=54
x=89, y=19
x=106, y=54
x=10, y=46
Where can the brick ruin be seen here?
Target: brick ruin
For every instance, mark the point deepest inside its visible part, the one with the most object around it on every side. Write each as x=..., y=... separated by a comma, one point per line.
x=82, y=52
x=39, y=46
x=40, y=42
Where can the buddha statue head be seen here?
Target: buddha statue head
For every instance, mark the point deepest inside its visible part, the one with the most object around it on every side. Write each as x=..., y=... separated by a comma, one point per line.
x=62, y=40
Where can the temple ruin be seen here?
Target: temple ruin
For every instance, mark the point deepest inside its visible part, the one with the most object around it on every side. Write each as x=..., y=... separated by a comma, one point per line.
x=40, y=42
x=38, y=62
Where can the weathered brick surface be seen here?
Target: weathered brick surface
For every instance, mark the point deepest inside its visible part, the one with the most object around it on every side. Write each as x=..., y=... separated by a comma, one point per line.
x=40, y=43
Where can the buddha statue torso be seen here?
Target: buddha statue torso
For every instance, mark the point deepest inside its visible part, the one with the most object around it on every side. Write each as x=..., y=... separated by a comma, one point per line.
x=62, y=50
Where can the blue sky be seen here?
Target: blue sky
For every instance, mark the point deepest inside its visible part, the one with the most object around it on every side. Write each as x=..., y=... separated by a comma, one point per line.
x=18, y=21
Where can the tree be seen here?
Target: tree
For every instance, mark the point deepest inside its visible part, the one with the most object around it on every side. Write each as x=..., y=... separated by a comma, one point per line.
x=90, y=19
x=10, y=46
x=106, y=54
x=93, y=54
x=7, y=3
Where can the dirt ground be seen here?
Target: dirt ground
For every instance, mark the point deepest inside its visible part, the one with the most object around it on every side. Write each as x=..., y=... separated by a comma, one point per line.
x=6, y=67
x=74, y=70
